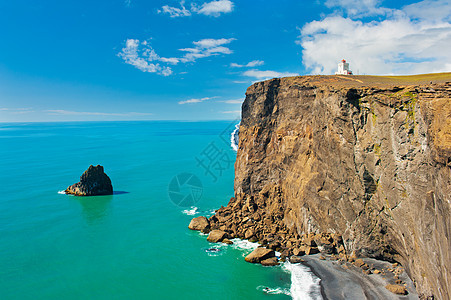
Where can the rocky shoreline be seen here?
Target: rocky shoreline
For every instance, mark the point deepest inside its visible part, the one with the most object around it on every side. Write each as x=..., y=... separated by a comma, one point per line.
x=324, y=253
x=347, y=168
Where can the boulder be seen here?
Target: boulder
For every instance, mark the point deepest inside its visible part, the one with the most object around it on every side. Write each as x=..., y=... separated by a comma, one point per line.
x=227, y=241
x=216, y=236
x=359, y=262
x=199, y=223
x=272, y=261
x=248, y=234
x=298, y=252
x=259, y=254
x=396, y=289
x=93, y=182
x=296, y=259
x=311, y=250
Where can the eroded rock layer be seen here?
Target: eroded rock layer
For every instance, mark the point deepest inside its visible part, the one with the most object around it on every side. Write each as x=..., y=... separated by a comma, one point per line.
x=367, y=163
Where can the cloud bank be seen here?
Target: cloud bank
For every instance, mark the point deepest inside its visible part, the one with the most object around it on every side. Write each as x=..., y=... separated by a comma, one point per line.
x=411, y=40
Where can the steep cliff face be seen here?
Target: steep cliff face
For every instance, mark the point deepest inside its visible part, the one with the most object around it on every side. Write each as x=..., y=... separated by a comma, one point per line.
x=364, y=159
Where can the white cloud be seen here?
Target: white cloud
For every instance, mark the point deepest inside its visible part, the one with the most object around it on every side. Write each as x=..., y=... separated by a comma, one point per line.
x=263, y=75
x=195, y=100
x=236, y=112
x=16, y=111
x=206, y=48
x=252, y=64
x=213, y=8
x=431, y=10
x=85, y=113
x=143, y=57
x=233, y=101
x=359, y=8
x=174, y=12
x=408, y=41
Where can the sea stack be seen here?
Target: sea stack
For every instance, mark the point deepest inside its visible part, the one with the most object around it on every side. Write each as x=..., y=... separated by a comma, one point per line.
x=93, y=182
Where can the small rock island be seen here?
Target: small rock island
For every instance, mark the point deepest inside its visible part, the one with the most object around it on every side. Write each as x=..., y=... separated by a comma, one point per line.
x=93, y=182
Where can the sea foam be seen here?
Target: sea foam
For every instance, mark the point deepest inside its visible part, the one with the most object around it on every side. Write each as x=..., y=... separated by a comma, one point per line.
x=191, y=212
x=304, y=284
x=273, y=291
x=62, y=192
x=234, y=137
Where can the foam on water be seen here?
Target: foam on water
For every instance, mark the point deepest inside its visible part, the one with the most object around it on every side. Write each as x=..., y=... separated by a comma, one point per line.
x=273, y=291
x=191, y=212
x=62, y=192
x=244, y=245
x=304, y=284
x=234, y=137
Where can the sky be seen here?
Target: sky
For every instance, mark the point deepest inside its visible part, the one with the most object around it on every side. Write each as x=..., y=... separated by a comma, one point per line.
x=193, y=60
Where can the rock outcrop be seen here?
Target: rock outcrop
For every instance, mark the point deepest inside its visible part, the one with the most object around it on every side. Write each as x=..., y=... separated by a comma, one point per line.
x=260, y=254
x=199, y=223
x=216, y=236
x=93, y=182
x=348, y=165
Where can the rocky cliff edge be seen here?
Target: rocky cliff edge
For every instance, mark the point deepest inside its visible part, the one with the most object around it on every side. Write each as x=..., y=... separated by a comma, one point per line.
x=365, y=159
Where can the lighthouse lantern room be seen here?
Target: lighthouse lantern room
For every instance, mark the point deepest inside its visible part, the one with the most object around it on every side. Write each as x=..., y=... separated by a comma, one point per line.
x=343, y=68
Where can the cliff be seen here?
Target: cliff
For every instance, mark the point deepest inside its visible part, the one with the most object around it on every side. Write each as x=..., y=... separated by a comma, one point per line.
x=366, y=158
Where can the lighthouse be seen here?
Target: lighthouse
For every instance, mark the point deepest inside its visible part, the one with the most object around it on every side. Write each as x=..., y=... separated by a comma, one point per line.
x=343, y=68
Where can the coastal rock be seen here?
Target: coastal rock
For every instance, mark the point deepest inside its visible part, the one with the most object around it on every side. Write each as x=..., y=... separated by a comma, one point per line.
x=396, y=289
x=93, y=182
x=295, y=259
x=311, y=250
x=227, y=241
x=199, y=223
x=216, y=236
x=272, y=261
x=365, y=158
x=259, y=254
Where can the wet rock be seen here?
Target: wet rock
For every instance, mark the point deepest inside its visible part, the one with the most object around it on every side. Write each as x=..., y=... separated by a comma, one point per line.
x=272, y=261
x=259, y=254
x=227, y=241
x=216, y=236
x=93, y=182
x=199, y=223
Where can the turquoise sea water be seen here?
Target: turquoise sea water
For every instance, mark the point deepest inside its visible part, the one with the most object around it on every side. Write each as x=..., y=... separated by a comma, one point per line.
x=131, y=245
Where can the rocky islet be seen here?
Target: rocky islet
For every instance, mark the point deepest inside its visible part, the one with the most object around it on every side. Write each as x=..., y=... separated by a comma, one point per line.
x=93, y=182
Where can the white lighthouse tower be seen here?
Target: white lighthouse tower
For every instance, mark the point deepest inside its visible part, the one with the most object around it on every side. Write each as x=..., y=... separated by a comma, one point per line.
x=343, y=68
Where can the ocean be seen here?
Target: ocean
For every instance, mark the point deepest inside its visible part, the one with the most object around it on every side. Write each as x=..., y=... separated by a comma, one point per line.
x=134, y=244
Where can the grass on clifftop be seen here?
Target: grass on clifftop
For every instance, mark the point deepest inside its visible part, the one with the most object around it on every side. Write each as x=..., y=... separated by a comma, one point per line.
x=370, y=80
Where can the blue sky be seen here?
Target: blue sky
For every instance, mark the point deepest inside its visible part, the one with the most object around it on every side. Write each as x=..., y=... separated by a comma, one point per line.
x=193, y=60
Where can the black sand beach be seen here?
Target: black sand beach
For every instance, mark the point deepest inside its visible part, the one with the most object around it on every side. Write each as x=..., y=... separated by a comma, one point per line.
x=343, y=280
